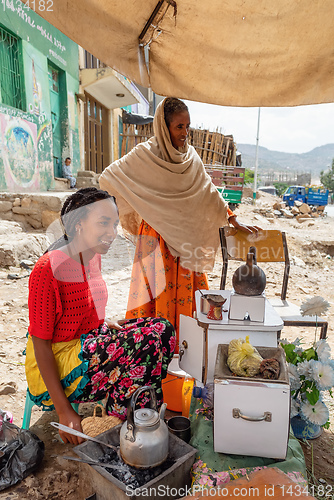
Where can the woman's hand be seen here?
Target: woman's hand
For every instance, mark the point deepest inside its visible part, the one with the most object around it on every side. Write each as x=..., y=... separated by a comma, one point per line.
x=49, y=371
x=70, y=418
x=243, y=227
x=115, y=325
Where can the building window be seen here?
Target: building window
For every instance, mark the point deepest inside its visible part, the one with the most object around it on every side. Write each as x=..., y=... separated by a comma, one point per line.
x=92, y=62
x=10, y=75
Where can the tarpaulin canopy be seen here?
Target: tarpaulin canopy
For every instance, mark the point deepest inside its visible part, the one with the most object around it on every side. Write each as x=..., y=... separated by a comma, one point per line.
x=231, y=52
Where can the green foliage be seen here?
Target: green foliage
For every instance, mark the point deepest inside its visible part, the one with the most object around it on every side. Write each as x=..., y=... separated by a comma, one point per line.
x=249, y=176
x=327, y=177
x=312, y=393
x=281, y=187
x=290, y=354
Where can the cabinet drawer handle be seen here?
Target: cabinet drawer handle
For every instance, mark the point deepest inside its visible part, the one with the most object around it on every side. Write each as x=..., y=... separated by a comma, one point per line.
x=182, y=351
x=237, y=414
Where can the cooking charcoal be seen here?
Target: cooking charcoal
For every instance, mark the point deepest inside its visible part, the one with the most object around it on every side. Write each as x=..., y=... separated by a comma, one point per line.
x=109, y=456
x=133, y=477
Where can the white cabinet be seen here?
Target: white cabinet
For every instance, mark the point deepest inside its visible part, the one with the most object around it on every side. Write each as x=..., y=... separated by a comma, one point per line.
x=252, y=415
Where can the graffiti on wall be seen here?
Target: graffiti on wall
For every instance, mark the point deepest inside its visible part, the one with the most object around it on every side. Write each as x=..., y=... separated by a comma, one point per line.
x=18, y=140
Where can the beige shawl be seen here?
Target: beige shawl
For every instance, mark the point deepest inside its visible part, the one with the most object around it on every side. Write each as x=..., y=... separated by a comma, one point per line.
x=170, y=190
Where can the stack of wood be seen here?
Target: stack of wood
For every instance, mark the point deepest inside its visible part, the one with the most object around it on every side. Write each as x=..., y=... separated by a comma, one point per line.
x=213, y=147
x=225, y=175
x=133, y=135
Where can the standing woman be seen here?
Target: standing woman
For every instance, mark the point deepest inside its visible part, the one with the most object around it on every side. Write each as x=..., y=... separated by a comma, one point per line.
x=73, y=353
x=166, y=198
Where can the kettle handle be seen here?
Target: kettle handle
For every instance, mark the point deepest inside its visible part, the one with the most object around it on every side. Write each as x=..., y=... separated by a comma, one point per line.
x=130, y=434
x=251, y=256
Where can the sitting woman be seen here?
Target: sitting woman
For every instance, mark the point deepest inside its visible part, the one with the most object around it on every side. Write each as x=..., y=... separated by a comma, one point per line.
x=73, y=353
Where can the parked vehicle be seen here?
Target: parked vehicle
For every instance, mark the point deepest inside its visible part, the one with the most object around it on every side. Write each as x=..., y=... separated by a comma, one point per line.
x=313, y=197
x=268, y=189
x=229, y=182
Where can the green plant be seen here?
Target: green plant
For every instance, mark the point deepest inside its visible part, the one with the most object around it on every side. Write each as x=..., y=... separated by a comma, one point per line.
x=281, y=187
x=327, y=177
x=249, y=176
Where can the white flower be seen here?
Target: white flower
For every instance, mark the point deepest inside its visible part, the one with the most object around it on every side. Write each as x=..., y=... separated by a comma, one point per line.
x=316, y=306
x=323, y=350
x=296, y=342
x=323, y=375
x=294, y=377
x=317, y=414
x=294, y=408
x=304, y=368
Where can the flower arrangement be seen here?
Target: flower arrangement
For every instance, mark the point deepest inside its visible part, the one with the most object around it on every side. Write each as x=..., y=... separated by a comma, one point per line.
x=311, y=373
x=315, y=306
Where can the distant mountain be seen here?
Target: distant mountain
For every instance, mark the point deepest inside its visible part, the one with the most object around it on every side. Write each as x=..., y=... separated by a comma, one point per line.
x=314, y=161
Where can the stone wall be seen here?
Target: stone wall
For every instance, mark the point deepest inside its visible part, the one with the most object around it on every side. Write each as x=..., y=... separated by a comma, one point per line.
x=32, y=210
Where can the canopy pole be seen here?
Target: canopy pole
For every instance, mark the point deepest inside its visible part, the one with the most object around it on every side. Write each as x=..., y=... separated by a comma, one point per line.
x=256, y=157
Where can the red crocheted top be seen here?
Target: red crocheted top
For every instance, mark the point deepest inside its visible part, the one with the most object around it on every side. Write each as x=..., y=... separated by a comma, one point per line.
x=65, y=299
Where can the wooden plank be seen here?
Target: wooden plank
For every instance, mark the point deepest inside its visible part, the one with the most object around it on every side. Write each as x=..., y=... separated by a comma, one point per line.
x=124, y=139
x=92, y=145
x=214, y=147
x=107, y=157
x=226, y=150
x=233, y=179
x=206, y=144
x=268, y=243
x=234, y=188
x=209, y=153
x=135, y=135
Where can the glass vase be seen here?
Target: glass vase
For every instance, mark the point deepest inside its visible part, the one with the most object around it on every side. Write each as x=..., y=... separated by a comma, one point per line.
x=305, y=430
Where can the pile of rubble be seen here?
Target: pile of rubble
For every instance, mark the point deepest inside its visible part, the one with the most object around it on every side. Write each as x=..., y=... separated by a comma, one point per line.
x=301, y=211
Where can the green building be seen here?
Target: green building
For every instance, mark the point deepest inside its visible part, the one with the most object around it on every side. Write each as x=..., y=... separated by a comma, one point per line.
x=39, y=80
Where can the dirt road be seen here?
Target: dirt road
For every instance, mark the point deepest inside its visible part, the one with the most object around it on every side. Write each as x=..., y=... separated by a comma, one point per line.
x=311, y=248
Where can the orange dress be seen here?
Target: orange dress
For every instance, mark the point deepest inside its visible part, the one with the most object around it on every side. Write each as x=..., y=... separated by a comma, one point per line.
x=160, y=287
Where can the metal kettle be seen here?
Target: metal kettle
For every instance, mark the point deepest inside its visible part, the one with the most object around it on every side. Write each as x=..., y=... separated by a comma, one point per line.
x=144, y=436
x=249, y=279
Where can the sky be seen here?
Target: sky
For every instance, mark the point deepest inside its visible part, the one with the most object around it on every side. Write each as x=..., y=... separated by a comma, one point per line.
x=296, y=129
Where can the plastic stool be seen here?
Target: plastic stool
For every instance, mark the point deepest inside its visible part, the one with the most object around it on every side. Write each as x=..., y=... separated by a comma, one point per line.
x=28, y=407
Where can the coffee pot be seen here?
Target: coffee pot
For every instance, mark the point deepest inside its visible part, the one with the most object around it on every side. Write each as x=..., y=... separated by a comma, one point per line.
x=144, y=436
x=249, y=279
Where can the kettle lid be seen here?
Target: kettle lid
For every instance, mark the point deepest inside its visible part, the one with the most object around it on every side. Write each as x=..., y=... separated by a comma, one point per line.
x=146, y=417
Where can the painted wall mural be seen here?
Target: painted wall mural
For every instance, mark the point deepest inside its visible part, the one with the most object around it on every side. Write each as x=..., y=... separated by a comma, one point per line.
x=19, y=153
x=27, y=142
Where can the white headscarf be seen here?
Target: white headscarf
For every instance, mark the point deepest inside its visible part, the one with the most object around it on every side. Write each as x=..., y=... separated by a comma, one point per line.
x=170, y=190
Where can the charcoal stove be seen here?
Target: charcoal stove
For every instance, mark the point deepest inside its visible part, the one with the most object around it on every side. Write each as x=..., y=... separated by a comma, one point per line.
x=98, y=480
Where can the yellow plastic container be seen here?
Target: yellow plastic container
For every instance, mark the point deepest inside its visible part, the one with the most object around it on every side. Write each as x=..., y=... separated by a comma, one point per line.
x=187, y=390
x=172, y=385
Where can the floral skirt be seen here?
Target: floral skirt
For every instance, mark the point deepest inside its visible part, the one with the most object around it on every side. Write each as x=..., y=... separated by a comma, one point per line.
x=109, y=364
x=160, y=286
x=120, y=361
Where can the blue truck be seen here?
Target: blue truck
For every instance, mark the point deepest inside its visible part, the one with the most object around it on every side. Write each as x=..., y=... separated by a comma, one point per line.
x=313, y=197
